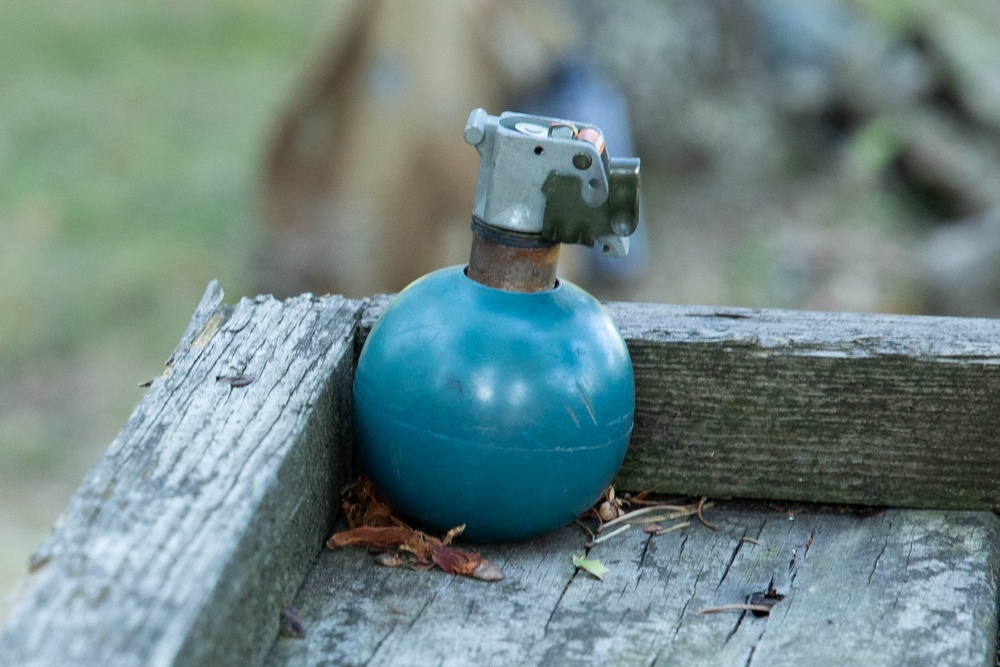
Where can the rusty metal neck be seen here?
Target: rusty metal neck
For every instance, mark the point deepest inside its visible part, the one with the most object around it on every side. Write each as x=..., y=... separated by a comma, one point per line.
x=512, y=264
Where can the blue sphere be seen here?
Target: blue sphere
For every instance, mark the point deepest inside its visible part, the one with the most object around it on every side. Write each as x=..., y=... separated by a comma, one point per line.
x=507, y=412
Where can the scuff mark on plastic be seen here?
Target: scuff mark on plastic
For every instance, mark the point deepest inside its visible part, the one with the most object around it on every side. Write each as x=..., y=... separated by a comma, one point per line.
x=585, y=395
x=572, y=414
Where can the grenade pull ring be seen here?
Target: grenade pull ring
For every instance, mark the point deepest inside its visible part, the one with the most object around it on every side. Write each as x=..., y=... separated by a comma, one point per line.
x=544, y=181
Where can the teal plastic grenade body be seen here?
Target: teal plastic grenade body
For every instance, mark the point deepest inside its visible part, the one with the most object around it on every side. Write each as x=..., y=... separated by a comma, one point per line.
x=493, y=395
x=507, y=412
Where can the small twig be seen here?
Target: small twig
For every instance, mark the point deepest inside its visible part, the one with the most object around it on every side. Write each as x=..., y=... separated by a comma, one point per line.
x=762, y=608
x=642, y=502
x=653, y=503
x=602, y=538
x=584, y=528
x=665, y=517
x=640, y=499
x=676, y=510
x=751, y=540
x=676, y=526
x=707, y=524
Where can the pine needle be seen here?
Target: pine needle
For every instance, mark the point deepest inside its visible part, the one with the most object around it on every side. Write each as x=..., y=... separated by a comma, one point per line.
x=707, y=524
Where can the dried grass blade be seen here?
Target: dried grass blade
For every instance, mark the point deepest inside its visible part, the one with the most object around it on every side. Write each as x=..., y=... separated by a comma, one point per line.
x=608, y=536
x=707, y=524
x=679, y=510
x=676, y=526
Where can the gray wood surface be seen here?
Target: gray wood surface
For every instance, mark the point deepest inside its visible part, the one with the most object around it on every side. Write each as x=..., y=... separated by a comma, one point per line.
x=829, y=407
x=184, y=543
x=900, y=587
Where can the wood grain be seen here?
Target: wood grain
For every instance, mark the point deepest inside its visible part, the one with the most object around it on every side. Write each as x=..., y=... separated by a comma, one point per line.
x=187, y=539
x=900, y=587
x=186, y=542
x=829, y=407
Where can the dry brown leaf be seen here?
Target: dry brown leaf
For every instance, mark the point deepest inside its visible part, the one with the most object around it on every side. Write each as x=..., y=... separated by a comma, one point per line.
x=487, y=571
x=364, y=506
x=454, y=561
x=453, y=533
x=372, y=524
x=640, y=498
x=382, y=537
x=389, y=559
x=417, y=545
x=608, y=511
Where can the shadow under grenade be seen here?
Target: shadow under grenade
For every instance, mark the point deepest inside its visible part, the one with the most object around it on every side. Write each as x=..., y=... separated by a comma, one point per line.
x=494, y=395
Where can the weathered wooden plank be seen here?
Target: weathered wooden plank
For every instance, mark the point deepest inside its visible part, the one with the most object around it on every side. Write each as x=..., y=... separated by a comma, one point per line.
x=894, y=588
x=828, y=407
x=875, y=409
x=185, y=541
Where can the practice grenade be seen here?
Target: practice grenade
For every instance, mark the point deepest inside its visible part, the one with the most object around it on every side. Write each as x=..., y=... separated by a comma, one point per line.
x=494, y=395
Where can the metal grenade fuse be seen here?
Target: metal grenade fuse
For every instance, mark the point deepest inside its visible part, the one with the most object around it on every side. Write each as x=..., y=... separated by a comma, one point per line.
x=494, y=395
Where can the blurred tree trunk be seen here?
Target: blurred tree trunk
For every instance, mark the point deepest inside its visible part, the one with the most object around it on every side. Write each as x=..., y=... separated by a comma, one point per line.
x=368, y=182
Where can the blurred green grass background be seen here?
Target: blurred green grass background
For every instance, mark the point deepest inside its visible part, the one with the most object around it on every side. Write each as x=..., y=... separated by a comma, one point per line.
x=130, y=140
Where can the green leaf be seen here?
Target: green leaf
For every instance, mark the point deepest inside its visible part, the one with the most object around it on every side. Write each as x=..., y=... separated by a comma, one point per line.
x=591, y=565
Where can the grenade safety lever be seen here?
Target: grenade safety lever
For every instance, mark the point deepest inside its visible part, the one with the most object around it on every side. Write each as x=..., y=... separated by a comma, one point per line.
x=552, y=179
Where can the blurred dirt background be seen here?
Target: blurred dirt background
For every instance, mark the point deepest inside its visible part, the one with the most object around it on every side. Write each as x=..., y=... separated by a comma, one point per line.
x=836, y=154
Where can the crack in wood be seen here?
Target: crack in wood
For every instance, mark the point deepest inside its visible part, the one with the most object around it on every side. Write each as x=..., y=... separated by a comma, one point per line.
x=878, y=558
x=835, y=619
x=420, y=613
x=200, y=498
x=809, y=542
x=794, y=566
x=736, y=627
x=684, y=540
x=555, y=607
x=886, y=538
x=909, y=551
x=379, y=643
x=687, y=603
x=645, y=550
x=621, y=618
x=729, y=564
